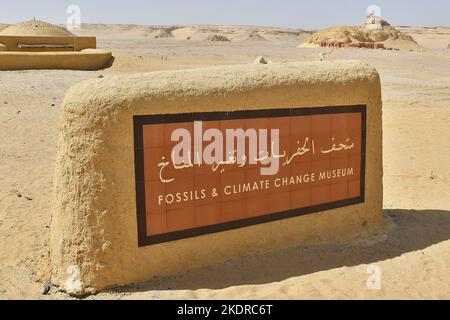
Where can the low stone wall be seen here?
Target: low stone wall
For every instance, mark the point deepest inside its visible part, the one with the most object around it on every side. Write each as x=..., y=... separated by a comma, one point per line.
x=95, y=233
x=89, y=59
x=13, y=43
x=82, y=43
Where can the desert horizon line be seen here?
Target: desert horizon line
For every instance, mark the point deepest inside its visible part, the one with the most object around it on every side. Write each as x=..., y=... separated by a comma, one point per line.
x=181, y=25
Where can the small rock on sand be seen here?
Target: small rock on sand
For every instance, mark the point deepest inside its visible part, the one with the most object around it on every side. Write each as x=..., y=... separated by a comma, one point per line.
x=218, y=38
x=261, y=60
x=46, y=287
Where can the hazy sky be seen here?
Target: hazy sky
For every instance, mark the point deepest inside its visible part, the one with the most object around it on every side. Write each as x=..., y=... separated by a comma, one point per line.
x=283, y=13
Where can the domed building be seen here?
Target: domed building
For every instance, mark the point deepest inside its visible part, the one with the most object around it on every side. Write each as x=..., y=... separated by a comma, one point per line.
x=54, y=46
x=36, y=28
x=36, y=35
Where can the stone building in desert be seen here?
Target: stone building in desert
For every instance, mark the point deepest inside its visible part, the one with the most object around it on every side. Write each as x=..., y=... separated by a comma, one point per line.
x=36, y=44
x=374, y=22
x=40, y=36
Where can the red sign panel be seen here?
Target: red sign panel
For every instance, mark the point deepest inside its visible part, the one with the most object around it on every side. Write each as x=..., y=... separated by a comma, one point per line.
x=210, y=172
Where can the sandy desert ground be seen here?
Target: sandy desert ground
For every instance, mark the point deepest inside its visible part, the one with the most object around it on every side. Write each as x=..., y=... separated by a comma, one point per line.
x=412, y=250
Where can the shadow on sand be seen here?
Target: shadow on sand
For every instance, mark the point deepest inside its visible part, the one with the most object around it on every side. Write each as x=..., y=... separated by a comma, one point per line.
x=414, y=230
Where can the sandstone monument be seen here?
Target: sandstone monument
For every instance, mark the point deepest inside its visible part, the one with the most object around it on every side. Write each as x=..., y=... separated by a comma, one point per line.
x=374, y=33
x=120, y=218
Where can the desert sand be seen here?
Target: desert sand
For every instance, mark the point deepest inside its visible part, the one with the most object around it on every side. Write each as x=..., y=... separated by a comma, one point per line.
x=412, y=249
